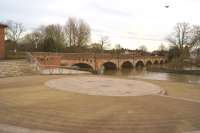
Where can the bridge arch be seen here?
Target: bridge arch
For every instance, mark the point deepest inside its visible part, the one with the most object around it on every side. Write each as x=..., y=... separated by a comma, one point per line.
x=126, y=65
x=161, y=62
x=139, y=64
x=156, y=62
x=83, y=66
x=109, y=66
x=149, y=64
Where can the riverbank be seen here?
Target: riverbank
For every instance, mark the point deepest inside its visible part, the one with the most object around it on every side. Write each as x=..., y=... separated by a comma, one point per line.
x=165, y=70
x=178, y=89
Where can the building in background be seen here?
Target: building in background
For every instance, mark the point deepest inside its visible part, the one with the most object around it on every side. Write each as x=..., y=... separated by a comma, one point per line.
x=2, y=41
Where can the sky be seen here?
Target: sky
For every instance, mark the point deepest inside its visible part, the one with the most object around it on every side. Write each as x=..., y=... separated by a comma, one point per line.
x=130, y=23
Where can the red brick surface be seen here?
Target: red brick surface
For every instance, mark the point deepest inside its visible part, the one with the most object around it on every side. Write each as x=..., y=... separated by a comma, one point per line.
x=2, y=45
x=49, y=61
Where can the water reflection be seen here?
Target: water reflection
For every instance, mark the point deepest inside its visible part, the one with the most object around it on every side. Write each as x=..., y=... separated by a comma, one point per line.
x=144, y=74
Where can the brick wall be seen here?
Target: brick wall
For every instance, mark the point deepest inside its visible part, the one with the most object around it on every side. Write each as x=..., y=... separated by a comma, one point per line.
x=2, y=47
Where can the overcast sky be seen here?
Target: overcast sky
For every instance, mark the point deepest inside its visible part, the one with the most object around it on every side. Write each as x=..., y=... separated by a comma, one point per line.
x=130, y=23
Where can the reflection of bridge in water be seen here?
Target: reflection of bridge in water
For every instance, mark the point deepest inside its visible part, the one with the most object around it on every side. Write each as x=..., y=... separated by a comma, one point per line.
x=97, y=62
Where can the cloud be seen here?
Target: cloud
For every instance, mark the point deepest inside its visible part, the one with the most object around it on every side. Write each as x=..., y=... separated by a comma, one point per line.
x=106, y=9
x=129, y=22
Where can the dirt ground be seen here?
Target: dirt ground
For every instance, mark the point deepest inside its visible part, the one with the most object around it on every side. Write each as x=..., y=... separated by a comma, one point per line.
x=27, y=102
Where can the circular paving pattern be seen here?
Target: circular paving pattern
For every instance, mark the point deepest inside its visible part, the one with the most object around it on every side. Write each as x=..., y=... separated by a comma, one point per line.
x=103, y=86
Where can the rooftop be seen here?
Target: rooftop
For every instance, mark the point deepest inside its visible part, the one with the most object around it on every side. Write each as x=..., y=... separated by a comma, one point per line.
x=3, y=25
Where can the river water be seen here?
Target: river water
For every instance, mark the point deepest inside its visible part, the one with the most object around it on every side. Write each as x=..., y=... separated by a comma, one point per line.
x=143, y=74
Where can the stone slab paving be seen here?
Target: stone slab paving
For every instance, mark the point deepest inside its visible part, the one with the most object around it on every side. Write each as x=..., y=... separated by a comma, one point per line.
x=93, y=85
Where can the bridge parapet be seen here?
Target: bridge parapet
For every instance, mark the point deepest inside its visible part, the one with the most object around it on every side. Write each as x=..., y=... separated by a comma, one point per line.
x=94, y=55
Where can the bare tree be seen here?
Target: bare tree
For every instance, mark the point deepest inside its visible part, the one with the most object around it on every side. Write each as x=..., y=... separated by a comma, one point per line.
x=54, y=36
x=143, y=48
x=185, y=38
x=195, y=37
x=71, y=31
x=96, y=47
x=118, y=47
x=32, y=39
x=14, y=32
x=56, y=32
x=83, y=33
x=77, y=32
x=181, y=36
x=104, y=41
x=162, y=47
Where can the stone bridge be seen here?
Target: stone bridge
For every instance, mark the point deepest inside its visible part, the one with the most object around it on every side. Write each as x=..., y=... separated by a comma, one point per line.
x=95, y=62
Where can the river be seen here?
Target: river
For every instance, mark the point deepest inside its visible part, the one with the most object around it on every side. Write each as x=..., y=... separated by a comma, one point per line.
x=143, y=74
